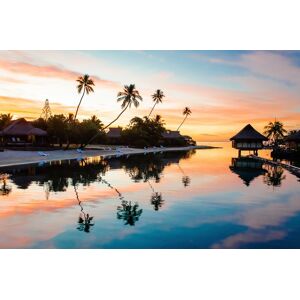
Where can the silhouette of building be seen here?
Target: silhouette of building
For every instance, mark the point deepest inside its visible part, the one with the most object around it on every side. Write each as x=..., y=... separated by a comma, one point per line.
x=293, y=141
x=248, y=139
x=171, y=134
x=114, y=134
x=22, y=133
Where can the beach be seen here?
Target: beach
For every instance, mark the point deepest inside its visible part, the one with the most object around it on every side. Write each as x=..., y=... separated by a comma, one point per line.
x=19, y=157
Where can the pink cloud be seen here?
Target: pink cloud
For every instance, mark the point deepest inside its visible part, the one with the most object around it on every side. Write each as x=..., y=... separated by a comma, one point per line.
x=50, y=71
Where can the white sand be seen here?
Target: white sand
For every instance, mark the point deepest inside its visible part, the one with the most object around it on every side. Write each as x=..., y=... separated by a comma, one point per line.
x=11, y=157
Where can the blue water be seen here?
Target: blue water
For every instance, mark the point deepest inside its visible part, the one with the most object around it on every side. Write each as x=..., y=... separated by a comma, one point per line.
x=201, y=199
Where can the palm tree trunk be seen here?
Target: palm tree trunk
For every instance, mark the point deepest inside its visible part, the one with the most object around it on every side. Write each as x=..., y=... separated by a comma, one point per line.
x=181, y=123
x=79, y=104
x=74, y=120
x=152, y=109
x=92, y=138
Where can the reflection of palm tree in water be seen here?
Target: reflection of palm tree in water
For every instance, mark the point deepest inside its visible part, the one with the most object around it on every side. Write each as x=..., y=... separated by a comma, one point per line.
x=5, y=189
x=84, y=220
x=274, y=176
x=156, y=198
x=128, y=212
x=185, y=179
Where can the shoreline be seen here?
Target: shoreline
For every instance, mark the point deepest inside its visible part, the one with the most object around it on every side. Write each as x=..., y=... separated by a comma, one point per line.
x=10, y=158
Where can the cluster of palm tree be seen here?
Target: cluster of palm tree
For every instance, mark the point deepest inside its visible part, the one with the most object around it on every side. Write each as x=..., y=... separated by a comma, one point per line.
x=130, y=96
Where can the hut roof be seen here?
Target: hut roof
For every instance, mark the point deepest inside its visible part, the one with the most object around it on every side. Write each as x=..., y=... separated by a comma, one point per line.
x=114, y=132
x=294, y=137
x=249, y=133
x=22, y=127
x=171, y=134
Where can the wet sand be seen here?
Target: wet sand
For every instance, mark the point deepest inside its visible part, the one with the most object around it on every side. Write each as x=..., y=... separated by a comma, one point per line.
x=13, y=157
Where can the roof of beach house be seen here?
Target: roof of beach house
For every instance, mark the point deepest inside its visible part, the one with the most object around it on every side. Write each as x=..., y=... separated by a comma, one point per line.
x=249, y=133
x=171, y=134
x=22, y=127
x=293, y=137
x=114, y=132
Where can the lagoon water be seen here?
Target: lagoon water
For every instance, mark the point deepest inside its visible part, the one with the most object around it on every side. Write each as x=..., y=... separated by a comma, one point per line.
x=199, y=199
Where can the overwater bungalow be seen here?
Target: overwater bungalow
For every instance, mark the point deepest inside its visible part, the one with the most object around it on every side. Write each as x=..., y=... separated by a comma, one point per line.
x=22, y=133
x=248, y=139
x=293, y=141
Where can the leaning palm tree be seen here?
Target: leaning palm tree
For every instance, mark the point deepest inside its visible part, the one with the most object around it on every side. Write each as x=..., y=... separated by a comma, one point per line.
x=157, y=98
x=186, y=113
x=85, y=84
x=275, y=131
x=129, y=96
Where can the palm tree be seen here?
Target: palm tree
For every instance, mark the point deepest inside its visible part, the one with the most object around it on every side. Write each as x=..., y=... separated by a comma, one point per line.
x=157, y=98
x=186, y=113
x=129, y=96
x=85, y=84
x=5, y=119
x=275, y=131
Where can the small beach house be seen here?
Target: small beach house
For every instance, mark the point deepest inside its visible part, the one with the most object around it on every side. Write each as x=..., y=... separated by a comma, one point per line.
x=22, y=133
x=248, y=139
x=293, y=141
x=114, y=135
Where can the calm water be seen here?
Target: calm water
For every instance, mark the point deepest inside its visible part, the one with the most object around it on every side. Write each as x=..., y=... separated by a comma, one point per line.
x=200, y=199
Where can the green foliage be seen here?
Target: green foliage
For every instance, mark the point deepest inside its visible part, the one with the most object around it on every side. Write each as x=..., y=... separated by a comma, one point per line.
x=144, y=132
x=5, y=119
x=62, y=129
x=275, y=131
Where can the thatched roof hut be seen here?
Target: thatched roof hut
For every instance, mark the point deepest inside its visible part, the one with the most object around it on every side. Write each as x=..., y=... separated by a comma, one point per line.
x=293, y=140
x=114, y=132
x=21, y=127
x=248, y=133
x=171, y=134
x=22, y=132
x=248, y=139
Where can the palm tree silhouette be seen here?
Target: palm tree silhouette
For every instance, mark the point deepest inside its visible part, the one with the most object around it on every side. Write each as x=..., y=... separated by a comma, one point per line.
x=128, y=212
x=84, y=220
x=157, y=201
x=156, y=198
x=157, y=98
x=275, y=131
x=185, y=179
x=85, y=84
x=186, y=113
x=129, y=96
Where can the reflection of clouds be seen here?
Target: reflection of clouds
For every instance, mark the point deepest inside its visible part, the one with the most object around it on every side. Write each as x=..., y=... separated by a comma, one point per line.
x=261, y=223
x=273, y=214
x=250, y=236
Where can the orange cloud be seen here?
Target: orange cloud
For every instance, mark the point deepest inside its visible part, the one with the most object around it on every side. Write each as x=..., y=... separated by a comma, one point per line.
x=31, y=109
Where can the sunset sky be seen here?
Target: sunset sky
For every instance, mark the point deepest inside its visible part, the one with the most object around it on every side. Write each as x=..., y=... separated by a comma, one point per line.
x=224, y=89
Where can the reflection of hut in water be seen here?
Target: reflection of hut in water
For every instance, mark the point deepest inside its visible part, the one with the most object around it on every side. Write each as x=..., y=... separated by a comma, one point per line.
x=247, y=169
x=248, y=139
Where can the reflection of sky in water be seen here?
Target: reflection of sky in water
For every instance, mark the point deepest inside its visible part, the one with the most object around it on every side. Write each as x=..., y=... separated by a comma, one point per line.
x=197, y=203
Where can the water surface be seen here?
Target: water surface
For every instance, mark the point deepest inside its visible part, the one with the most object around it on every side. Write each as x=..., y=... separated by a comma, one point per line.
x=198, y=199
